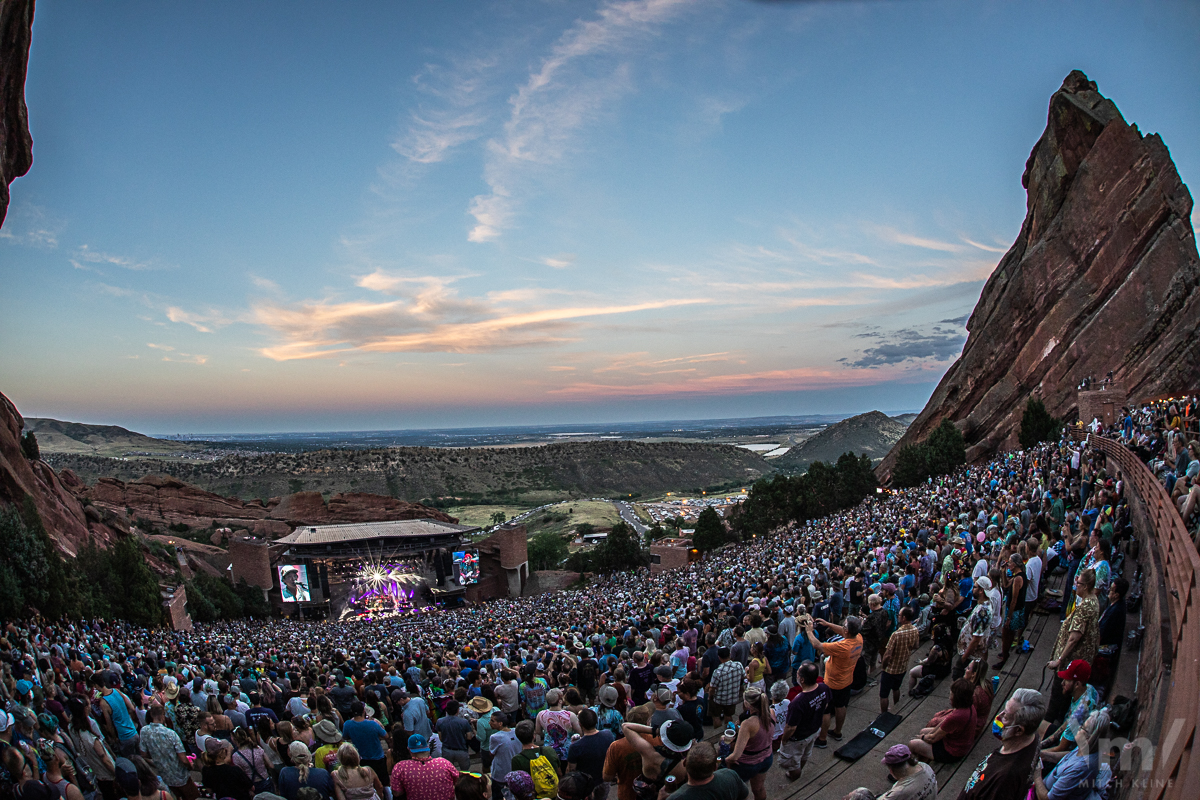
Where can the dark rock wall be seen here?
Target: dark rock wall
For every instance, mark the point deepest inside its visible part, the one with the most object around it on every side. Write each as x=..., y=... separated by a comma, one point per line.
x=16, y=144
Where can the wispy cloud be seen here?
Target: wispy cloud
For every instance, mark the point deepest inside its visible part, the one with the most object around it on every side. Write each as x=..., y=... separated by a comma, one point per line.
x=32, y=226
x=451, y=113
x=426, y=314
x=203, y=321
x=186, y=358
x=560, y=97
x=899, y=237
x=560, y=261
x=165, y=347
x=988, y=248
x=738, y=383
x=85, y=254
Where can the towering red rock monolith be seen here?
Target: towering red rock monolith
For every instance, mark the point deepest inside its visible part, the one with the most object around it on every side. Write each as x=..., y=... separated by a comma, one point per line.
x=1103, y=276
x=16, y=144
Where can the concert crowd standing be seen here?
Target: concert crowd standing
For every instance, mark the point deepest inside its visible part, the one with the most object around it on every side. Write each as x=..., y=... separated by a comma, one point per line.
x=691, y=683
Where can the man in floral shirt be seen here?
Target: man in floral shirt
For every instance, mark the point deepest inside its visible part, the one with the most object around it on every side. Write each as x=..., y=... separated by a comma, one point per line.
x=973, y=641
x=186, y=713
x=165, y=750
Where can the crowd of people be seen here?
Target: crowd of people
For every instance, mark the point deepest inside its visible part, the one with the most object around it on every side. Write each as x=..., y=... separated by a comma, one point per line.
x=692, y=683
x=1166, y=435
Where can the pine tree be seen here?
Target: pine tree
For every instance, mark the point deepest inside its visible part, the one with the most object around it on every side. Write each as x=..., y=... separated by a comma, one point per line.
x=710, y=531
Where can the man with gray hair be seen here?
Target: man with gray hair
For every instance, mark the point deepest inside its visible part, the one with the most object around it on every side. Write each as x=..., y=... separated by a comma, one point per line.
x=1009, y=770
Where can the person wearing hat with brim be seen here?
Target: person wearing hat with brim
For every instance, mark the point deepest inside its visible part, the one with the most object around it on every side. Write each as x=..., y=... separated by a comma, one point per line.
x=327, y=733
x=664, y=754
x=1084, y=700
x=422, y=775
x=913, y=778
x=483, y=708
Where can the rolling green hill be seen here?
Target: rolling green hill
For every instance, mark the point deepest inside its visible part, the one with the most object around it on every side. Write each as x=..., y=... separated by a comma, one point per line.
x=872, y=434
x=56, y=436
x=453, y=477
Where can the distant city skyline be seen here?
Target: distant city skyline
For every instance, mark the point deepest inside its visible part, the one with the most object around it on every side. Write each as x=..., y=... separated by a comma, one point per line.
x=258, y=217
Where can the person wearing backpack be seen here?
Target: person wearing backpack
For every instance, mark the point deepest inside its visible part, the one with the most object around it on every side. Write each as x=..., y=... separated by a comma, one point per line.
x=542, y=763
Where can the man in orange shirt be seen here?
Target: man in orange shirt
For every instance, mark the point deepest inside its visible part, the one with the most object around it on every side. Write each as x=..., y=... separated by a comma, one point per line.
x=839, y=669
x=623, y=763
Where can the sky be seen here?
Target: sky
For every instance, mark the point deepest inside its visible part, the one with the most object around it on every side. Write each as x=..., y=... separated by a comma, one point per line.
x=286, y=217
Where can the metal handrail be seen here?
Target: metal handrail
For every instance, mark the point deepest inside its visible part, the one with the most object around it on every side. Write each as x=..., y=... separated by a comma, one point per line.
x=1176, y=770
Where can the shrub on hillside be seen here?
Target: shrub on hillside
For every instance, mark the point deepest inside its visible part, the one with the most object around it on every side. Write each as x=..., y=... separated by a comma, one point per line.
x=940, y=454
x=823, y=489
x=621, y=551
x=1037, y=425
x=710, y=531
x=29, y=446
x=546, y=551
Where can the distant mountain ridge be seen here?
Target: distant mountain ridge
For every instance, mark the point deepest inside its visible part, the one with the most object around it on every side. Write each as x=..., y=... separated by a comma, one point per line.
x=57, y=436
x=871, y=434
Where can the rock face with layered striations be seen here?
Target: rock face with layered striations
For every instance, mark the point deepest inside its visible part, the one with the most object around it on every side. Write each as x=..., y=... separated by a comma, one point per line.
x=68, y=521
x=16, y=144
x=168, y=501
x=1104, y=275
x=75, y=513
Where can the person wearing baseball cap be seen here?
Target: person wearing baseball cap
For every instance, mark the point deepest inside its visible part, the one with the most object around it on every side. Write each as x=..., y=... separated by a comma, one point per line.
x=912, y=778
x=423, y=775
x=675, y=738
x=1084, y=700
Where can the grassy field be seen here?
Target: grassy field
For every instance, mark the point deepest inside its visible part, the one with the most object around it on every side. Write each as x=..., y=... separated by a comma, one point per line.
x=565, y=517
x=481, y=515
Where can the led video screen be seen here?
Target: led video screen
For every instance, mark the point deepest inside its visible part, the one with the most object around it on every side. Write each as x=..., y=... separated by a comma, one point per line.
x=293, y=583
x=466, y=567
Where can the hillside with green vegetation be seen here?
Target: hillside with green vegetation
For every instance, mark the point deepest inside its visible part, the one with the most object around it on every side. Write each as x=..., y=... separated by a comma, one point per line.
x=871, y=434
x=57, y=436
x=443, y=477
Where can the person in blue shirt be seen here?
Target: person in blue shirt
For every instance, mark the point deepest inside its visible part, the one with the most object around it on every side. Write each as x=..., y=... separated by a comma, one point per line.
x=1079, y=775
x=368, y=737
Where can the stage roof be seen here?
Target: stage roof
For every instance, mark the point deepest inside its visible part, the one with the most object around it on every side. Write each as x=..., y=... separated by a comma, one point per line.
x=365, y=531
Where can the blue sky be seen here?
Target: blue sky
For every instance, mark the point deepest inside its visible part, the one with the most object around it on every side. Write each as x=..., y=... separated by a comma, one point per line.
x=268, y=216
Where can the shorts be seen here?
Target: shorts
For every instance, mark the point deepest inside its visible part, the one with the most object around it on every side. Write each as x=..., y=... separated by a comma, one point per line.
x=748, y=771
x=889, y=682
x=840, y=697
x=941, y=756
x=719, y=710
x=1016, y=620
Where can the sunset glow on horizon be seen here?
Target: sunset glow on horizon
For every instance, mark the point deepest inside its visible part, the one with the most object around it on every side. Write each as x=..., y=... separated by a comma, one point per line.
x=266, y=218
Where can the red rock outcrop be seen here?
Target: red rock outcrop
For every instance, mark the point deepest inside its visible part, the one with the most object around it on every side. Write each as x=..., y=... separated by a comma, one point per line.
x=74, y=512
x=168, y=500
x=16, y=144
x=67, y=520
x=1104, y=275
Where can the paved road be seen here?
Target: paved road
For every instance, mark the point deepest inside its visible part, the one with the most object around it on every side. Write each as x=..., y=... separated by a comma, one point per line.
x=630, y=517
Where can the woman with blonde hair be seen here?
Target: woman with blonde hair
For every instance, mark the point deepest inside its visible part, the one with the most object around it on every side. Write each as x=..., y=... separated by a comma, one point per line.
x=353, y=781
x=303, y=773
x=221, y=725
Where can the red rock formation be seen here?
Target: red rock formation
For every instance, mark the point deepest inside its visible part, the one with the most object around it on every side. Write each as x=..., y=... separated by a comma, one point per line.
x=168, y=500
x=67, y=520
x=73, y=512
x=16, y=145
x=1103, y=276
